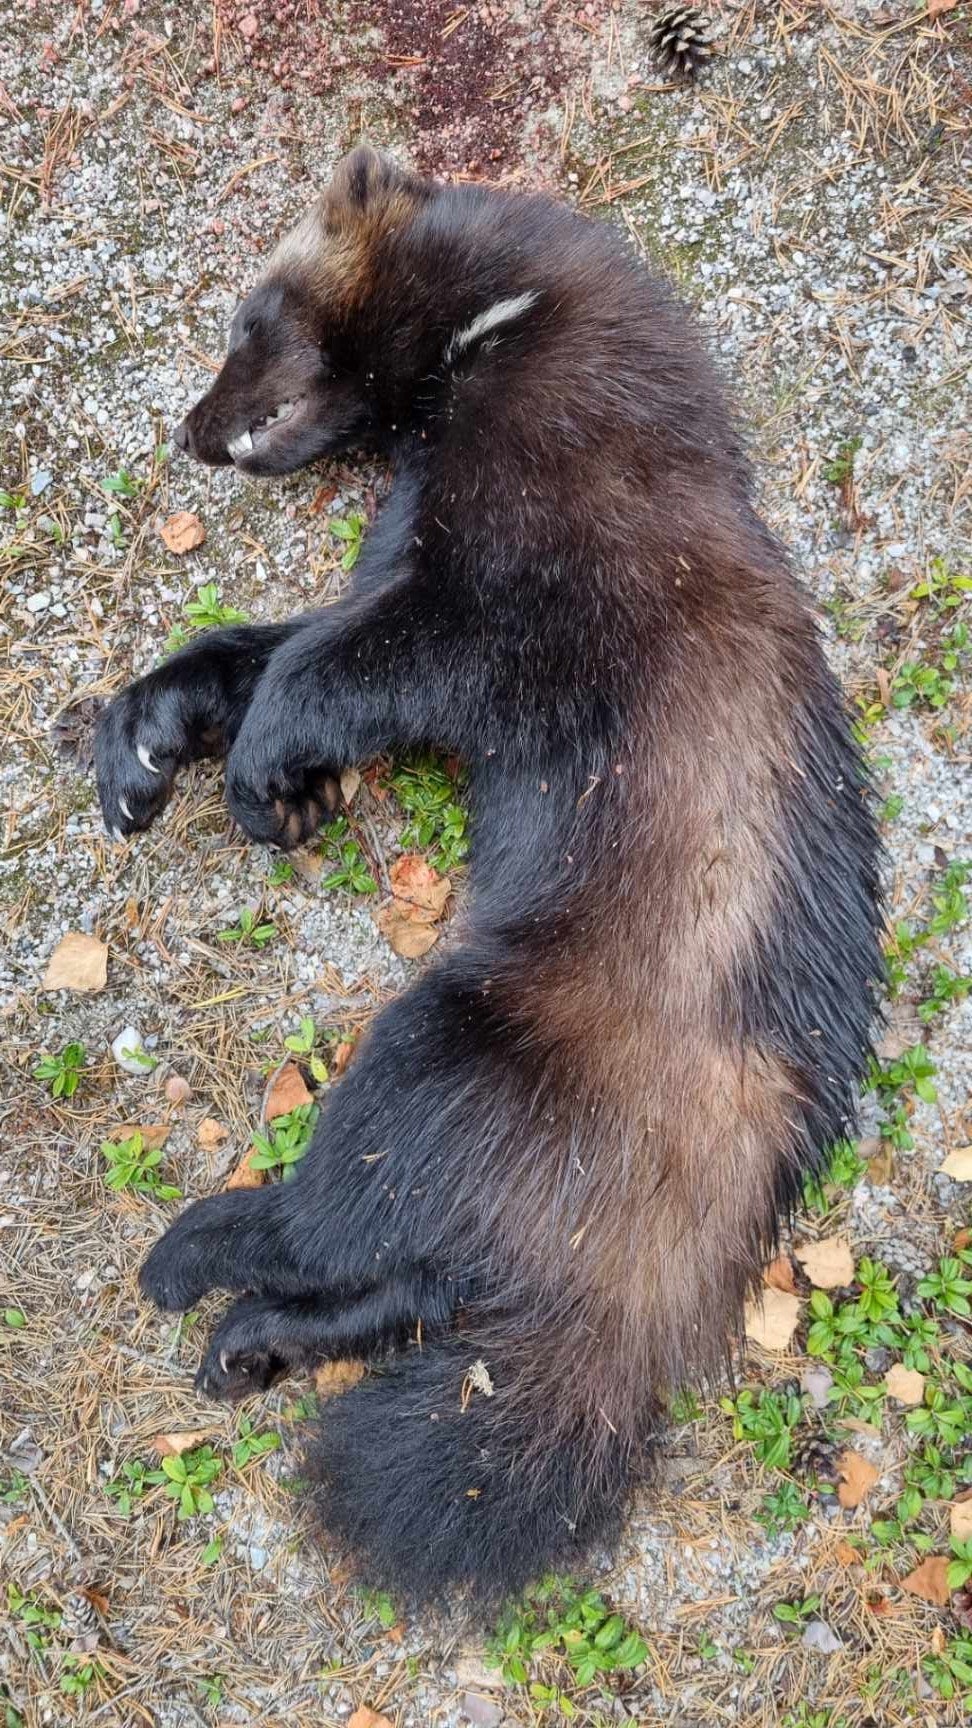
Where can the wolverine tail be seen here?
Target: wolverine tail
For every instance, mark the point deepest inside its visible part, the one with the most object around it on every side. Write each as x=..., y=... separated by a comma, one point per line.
x=448, y=1469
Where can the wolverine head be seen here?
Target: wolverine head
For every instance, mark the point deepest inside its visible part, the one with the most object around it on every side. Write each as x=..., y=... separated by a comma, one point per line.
x=298, y=379
x=389, y=286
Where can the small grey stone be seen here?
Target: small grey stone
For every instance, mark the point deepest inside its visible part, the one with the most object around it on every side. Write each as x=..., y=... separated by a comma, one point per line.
x=124, y=1048
x=818, y=1636
x=483, y=1711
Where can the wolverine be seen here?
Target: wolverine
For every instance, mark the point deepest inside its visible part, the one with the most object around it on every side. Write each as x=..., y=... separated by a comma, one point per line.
x=541, y=1194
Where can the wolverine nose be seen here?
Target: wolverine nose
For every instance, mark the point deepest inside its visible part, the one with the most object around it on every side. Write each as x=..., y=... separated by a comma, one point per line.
x=182, y=436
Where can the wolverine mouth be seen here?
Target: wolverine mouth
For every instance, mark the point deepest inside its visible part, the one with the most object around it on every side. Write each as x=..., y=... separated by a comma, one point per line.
x=260, y=432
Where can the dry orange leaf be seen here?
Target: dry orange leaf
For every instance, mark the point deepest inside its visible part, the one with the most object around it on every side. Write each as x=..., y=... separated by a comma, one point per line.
x=879, y=1605
x=958, y=1164
x=97, y=1598
x=154, y=1134
x=905, y=1384
x=847, y=1555
x=829, y=1264
x=929, y=1581
x=960, y=1520
x=858, y=1477
x=854, y=1425
x=178, y=1090
x=343, y=1053
x=962, y=1239
x=880, y=1167
x=414, y=880
x=937, y=7
x=183, y=532
x=779, y=1275
x=772, y=1320
x=173, y=1445
x=79, y=962
x=244, y=1176
x=333, y=1378
x=286, y=1092
x=365, y=1718
x=350, y=782
x=409, y=930
x=211, y=1133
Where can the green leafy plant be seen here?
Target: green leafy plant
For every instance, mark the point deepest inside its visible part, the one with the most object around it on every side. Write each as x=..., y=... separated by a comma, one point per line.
x=948, y=898
x=187, y=1478
x=765, y=1419
x=796, y=1614
x=910, y=1072
x=15, y=1318
x=350, y=865
x=960, y=1567
x=841, y=1171
x=805, y=1716
x=563, y=1621
x=785, y=1509
x=131, y=1164
x=878, y=1298
x=944, y=587
x=302, y=1044
x=840, y=468
x=121, y=484
x=349, y=530
x=251, y=1444
x=286, y=1141
x=248, y=930
x=213, y=1688
x=14, y=1488
x=949, y=1288
x=685, y=1407
x=944, y=988
x=436, y=820
x=36, y=1622
x=378, y=1605
x=206, y=612
x=943, y=1417
x=130, y=1485
x=281, y=871
x=950, y=1672
x=79, y=1674
x=62, y=1072
x=917, y=682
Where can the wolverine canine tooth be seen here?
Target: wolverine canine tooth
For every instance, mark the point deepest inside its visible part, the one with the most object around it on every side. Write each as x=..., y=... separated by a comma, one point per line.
x=241, y=445
x=146, y=759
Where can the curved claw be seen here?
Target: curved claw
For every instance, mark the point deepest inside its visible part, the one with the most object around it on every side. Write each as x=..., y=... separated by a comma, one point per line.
x=146, y=760
x=123, y=807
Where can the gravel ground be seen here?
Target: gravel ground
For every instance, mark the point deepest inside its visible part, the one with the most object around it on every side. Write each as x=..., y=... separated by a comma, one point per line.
x=811, y=196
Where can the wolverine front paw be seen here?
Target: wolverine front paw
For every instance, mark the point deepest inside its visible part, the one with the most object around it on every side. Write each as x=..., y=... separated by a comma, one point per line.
x=142, y=739
x=279, y=803
x=231, y=1371
x=177, y=1272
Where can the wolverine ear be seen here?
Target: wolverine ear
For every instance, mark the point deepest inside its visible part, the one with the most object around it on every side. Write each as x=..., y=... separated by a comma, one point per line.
x=366, y=182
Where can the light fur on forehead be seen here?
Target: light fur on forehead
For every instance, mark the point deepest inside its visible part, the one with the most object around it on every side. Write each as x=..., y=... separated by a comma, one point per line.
x=301, y=245
x=369, y=195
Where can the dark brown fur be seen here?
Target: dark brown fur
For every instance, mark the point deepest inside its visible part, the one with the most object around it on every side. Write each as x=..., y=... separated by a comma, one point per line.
x=566, y=1150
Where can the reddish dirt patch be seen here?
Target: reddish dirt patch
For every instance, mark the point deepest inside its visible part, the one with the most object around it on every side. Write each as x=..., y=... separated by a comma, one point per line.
x=472, y=84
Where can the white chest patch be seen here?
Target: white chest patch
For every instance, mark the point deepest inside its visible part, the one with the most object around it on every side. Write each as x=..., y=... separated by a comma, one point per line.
x=501, y=312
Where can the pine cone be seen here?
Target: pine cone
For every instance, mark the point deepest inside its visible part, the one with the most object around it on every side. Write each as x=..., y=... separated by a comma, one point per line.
x=681, y=39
